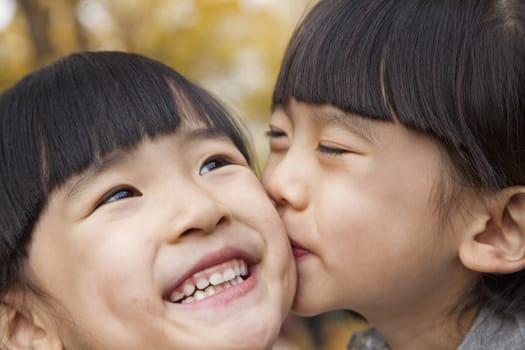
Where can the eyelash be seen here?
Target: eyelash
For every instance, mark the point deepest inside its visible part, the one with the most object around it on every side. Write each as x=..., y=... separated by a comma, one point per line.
x=112, y=196
x=330, y=151
x=218, y=161
x=274, y=133
x=118, y=193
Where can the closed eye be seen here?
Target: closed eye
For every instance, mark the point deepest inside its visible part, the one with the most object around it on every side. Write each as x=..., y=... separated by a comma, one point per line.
x=272, y=133
x=332, y=151
x=214, y=163
x=118, y=194
x=279, y=141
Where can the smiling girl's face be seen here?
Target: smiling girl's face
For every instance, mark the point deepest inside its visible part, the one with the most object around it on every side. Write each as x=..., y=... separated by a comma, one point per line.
x=172, y=245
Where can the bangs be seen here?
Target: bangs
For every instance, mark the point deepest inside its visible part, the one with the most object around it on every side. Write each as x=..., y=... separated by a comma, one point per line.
x=111, y=103
x=379, y=59
x=412, y=61
x=449, y=69
x=87, y=108
x=335, y=57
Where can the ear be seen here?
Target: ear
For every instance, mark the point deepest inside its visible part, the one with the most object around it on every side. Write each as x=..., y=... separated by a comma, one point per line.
x=24, y=332
x=497, y=245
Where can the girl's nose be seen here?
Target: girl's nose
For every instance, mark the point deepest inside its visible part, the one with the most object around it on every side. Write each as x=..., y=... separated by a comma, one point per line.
x=286, y=181
x=197, y=211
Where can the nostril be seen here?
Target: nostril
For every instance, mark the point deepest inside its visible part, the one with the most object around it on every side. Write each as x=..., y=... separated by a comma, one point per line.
x=222, y=220
x=193, y=230
x=188, y=232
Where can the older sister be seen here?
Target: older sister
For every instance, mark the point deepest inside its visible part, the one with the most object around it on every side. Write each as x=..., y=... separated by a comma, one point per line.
x=398, y=166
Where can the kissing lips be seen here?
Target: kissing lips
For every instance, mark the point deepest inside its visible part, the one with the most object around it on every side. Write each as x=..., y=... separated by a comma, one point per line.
x=297, y=250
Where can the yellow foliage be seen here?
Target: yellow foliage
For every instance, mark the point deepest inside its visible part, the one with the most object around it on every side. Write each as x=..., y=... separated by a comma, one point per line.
x=231, y=47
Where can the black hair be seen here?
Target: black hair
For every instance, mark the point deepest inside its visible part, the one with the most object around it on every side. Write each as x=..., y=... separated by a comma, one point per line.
x=63, y=118
x=453, y=70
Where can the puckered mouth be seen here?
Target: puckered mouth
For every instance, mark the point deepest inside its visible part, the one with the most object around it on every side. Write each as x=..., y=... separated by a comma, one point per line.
x=213, y=274
x=298, y=250
x=296, y=245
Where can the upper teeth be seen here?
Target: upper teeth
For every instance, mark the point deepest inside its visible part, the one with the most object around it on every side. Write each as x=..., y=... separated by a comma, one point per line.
x=210, y=281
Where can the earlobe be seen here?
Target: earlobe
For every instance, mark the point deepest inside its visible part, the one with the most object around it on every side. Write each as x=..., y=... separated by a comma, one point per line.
x=23, y=332
x=498, y=245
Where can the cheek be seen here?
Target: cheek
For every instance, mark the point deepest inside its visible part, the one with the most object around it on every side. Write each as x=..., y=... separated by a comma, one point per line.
x=363, y=214
x=51, y=264
x=253, y=207
x=112, y=289
x=91, y=267
x=118, y=265
x=248, y=199
x=347, y=221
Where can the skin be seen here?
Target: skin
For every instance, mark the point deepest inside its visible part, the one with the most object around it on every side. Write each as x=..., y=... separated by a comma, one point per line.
x=121, y=235
x=359, y=199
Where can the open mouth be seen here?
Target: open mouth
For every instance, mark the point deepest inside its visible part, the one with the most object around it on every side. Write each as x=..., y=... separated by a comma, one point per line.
x=210, y=281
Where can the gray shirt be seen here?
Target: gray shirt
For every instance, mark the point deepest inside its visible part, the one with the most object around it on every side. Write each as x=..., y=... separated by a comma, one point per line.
x=490, y=332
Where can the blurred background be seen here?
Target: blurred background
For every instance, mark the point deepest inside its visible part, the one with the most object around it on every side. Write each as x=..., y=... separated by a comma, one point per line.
x=233, y=48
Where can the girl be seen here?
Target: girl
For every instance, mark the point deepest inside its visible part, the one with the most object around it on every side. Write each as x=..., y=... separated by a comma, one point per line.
x=121, y=222
x=397, y=164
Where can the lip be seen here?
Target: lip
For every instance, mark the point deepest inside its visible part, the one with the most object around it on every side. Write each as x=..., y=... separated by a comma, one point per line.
x=298, y=250
x=209, y=260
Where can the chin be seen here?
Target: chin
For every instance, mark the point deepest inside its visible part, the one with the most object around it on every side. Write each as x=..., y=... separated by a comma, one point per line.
x=261, y=339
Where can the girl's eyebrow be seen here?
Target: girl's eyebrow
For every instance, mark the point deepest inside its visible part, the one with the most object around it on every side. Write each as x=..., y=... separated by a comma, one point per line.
x=354, y=123
x=81, y=182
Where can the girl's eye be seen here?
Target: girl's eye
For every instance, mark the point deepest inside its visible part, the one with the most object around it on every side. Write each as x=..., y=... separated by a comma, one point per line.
x=213, y=163
x=331, y=151
x=273, y=134
x=118, y=194
x=279, y=141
